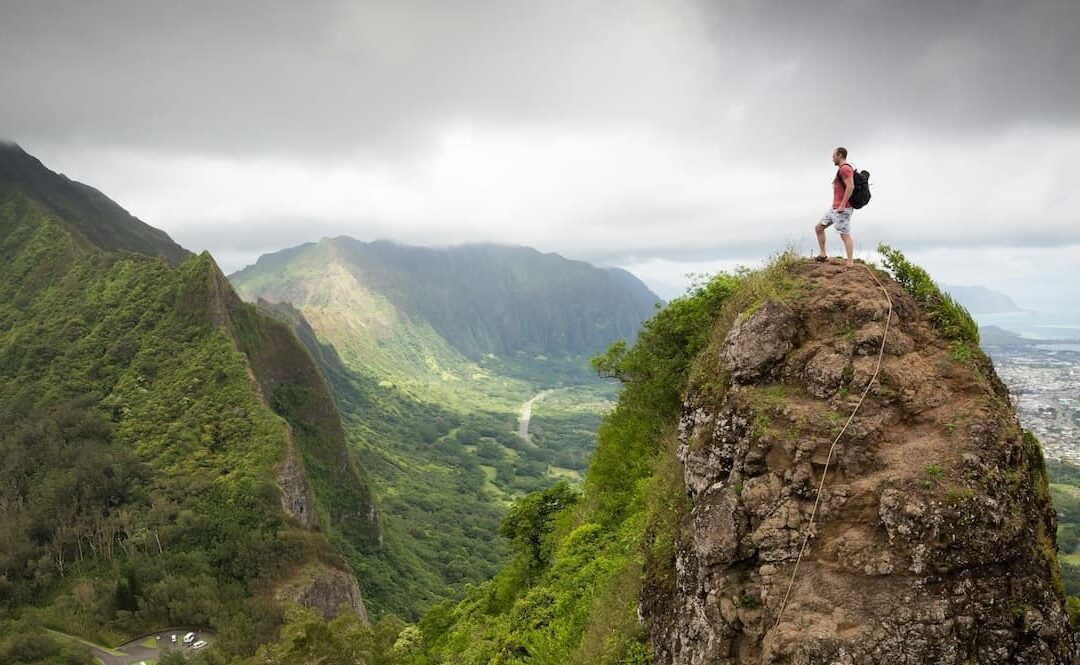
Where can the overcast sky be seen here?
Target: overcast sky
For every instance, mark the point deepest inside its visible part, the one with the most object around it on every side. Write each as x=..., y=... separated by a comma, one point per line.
x=665, y=137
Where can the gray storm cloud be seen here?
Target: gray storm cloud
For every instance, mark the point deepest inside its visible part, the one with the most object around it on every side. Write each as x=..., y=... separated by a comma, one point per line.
x=630, y=132
x=318, y=77
x=281, y=77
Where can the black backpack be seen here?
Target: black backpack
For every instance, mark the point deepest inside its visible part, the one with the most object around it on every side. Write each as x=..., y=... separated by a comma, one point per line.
x=861, y=195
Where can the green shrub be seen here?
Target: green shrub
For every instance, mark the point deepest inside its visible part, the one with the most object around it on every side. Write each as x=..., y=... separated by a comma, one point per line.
x=655, y=372
x=949, y=317
x=1072, y=605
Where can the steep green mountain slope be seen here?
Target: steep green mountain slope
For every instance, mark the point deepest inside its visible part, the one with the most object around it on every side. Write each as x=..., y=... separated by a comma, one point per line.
x=168, y=455
x=440, y=524
x=84, y=209
x=1065, y=487
x=369, y=332
x=444, y=474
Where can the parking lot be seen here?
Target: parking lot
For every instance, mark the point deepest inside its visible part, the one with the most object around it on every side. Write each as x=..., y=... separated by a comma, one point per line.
x=148, y=648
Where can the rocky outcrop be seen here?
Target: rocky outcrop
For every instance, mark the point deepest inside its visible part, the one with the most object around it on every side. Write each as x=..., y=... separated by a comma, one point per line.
x=934, y=539
x=296, y=499
x=758, y=342
x=326, y=590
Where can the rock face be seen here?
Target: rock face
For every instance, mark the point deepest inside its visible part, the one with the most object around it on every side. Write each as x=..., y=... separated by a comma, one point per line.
x=934, y=539
x=326, y=590
x=759, y=342
x=296, y=498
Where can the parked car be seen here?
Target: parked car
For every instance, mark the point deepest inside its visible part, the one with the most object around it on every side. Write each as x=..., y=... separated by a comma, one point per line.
x=174, y=638
x=189, y=638
x=198, y=645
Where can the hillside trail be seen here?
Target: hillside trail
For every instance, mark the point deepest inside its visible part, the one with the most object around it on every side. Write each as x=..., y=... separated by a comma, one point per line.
x=832, y=447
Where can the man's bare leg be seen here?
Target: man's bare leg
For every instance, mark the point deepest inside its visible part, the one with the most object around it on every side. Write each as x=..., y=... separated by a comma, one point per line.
x=820, y=230
x=849, y=247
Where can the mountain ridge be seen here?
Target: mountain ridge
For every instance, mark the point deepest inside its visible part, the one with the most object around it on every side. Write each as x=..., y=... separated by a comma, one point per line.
x=94, y=216
x=204, y=459
x=417, y=407
x=496, y=284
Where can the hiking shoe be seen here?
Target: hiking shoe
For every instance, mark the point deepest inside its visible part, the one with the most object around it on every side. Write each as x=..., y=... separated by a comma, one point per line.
x=821, y=259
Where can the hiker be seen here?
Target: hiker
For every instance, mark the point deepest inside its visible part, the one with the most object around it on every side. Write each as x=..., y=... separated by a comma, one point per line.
x=840, y=214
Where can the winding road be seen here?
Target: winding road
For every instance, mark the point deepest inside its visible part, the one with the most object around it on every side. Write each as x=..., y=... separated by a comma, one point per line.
x=526, y=414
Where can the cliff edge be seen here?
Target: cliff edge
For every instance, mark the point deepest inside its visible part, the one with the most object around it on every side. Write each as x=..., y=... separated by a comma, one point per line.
x=934, y=537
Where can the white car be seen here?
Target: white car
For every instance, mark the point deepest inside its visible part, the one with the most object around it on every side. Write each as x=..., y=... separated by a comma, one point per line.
x=198, y=645
x=189, y=638
x=174, y=638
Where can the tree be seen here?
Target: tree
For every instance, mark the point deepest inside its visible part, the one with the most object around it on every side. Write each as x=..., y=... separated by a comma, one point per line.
x=530, y=521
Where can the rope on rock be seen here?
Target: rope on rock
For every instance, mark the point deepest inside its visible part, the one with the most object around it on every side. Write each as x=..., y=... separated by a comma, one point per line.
x=828, y=458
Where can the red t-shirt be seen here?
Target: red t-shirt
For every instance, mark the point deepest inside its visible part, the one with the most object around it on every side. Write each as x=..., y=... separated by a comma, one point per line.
x=838, y=186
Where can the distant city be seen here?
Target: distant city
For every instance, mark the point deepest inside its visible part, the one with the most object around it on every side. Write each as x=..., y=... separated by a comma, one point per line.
x=1037, y=355
x=1044, y=381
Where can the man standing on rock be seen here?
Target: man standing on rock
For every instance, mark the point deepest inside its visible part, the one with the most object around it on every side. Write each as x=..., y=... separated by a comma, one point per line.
x=840, y=213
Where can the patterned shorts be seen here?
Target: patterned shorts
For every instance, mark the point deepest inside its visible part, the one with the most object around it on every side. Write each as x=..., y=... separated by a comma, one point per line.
x=841, y=218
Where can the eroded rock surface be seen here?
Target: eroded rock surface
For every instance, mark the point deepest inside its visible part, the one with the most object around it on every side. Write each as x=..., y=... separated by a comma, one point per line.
x=326, y=590
x=296, y=499
x=934, y=538
x=759, y=341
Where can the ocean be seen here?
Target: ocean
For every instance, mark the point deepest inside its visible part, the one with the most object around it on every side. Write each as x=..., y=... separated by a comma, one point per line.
x=1037, y=324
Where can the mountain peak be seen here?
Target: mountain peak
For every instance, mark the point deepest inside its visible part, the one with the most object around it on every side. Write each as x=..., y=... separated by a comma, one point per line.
x=83, y=209
x=981, y=300
x=932, y=537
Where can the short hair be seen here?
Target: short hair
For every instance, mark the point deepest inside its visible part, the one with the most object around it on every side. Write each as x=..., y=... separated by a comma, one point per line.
x=843, y=151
